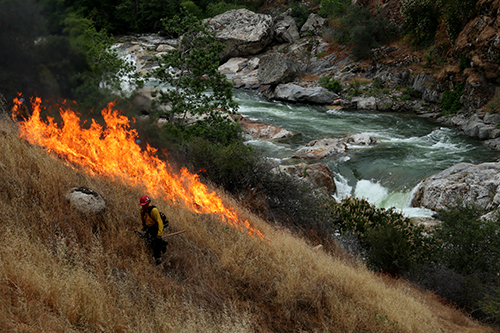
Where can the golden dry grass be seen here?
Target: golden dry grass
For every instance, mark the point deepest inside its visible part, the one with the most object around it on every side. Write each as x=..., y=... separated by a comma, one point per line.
x=63, y=272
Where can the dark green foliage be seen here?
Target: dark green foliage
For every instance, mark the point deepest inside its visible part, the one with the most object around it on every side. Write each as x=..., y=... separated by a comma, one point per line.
x=192, y=8
x=468, y=245
x=391, y=241
x=300, y=13
x=214, y=9
x=333, y=8
x=451, y=99
x=456, y=15
x=463, y=62
x=331, y=84
x=229, y=166
x=363, y=31
x=421, y=20
x=198, y=88
x=468, y=249
x=410, y=93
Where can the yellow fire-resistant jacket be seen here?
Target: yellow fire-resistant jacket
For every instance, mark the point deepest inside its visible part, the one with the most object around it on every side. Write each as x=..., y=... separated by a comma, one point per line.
x=151, y=219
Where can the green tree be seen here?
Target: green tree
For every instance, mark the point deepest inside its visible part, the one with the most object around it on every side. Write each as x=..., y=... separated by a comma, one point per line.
x=391, y=241
x=195, y=85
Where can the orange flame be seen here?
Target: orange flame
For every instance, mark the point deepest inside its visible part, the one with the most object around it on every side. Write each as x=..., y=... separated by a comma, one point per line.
x=17, y=105
x=112, y=152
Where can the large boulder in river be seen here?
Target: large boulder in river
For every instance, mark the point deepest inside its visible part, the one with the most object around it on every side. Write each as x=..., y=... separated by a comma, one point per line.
x=476, y=185
x=294, y=93
x=261, y=131
x=319, y=149
x=242, y=31
x=275, y=68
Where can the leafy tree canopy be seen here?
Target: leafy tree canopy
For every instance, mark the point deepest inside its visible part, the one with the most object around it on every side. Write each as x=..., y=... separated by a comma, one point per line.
x=195, y=85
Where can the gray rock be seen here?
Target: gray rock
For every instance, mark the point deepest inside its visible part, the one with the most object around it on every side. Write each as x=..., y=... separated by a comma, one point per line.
x=258, y=130
x=294, y=93
x=361, y=139
x=365, y=103
x=242, y=31
x=476, y=185
x=285, y=29
x=315, y=24
x=472, y=126
x=492, y=118
x=319, y=149
x=86, y=200
x=275, y=68
x=422, y=81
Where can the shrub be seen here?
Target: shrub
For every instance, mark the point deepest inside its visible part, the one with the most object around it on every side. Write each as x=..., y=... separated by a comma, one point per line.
x=392, y=243
x=451, y=99
x=300, y=13
x=331, y=84
x=385, y=91
x=421, y=20
x=456, y=15
x=214, y=9
x=470, y=247
x=363, y=31
x=333, y=8
x=494, y=105
x=463, y=62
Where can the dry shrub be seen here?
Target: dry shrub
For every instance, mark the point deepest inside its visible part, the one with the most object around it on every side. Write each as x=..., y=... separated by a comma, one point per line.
x=58, y=273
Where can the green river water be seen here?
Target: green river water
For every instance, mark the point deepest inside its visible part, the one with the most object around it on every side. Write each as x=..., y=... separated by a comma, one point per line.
x=385, y=174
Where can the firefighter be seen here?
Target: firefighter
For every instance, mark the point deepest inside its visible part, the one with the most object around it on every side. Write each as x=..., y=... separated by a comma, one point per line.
x=152, y=228
x=20, y=111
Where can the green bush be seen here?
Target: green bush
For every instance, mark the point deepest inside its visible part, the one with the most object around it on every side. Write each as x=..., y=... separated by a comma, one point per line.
x=214, y=9
x=421, y=20
x=457, y=14
x=451, y=99
x=300, y=13
x=470, y=246
x=463, y=62
x=362, y=30
x=391, y=241
x=333, y=8
x=331, y=84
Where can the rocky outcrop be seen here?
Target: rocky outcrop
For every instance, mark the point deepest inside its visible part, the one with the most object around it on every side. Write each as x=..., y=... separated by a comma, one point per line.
x=315, y=25
x=285, y=29
x=257, y=130
x=323, y=148
x=476, y=185
x=291, y=92
x=361, y=139
x=317, y=175
x=275, y=68
x=86, y=201
x=320, y=149
x=480, y=40
x=242, y=31
x=242, y=72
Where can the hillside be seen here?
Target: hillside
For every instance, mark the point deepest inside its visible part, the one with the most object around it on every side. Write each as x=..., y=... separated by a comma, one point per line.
x=65, y=272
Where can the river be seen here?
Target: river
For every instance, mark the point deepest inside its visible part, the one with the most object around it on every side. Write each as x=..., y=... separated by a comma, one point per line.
x=411, y=148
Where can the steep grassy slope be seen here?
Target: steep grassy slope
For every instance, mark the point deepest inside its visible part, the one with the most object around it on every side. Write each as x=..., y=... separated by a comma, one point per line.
x=63, y=272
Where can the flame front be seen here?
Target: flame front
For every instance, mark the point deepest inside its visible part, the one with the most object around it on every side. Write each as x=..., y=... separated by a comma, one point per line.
x=112, y=152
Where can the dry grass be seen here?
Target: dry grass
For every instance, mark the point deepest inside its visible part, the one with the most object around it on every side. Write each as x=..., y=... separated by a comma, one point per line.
x=63, y=272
